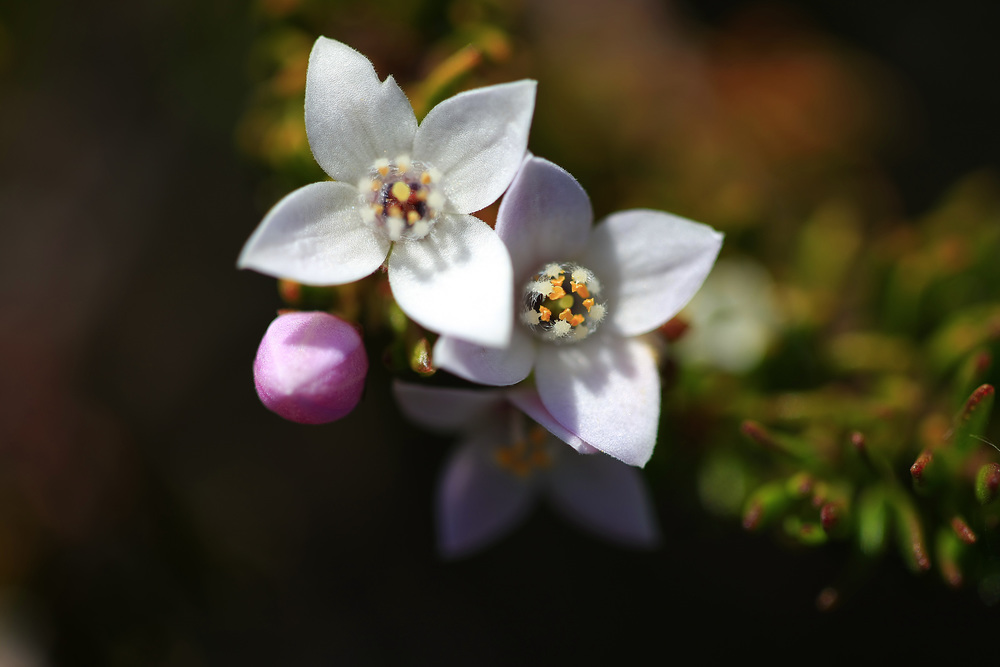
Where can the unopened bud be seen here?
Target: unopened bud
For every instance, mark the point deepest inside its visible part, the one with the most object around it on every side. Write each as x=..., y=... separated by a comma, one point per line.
x=987, y=483
x=310, y=367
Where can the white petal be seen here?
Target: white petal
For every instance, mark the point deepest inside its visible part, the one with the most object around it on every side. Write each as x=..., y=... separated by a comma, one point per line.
x=652, y=263
x=530, y=403
x=605, y=389
x=477, y=140
x=315, y=236
x=544, y=217
x=456, y=281
x=487, y=365
x=478, y=502
x=606, y=497
x=445, y=409
x=352, y=118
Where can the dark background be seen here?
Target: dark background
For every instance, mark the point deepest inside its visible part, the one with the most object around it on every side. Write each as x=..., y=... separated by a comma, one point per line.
x=152, y=512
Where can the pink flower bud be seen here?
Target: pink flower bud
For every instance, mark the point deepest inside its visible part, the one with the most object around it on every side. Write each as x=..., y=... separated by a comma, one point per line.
x=310, y=367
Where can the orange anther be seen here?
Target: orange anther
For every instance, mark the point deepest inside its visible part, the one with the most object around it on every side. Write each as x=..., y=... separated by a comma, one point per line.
x=557, y=289
x=588, y=304
x=544, y=314
x=425, y=177
x=568, y=316
x=580, y=288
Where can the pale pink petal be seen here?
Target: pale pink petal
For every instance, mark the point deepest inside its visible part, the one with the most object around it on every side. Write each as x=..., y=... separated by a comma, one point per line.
x=456, y=281
x=315, y=236
x=544, y=217
x=606, y=497
x=477, y=140
x=651, y=264
x=605, y=389
x=478, y=502
x=446, y=409
x=487, y=365
x=353, y=118
x=528, y=400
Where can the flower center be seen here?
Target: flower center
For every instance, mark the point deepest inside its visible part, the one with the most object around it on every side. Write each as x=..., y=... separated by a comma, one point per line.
x=402, y=198
x=525, y=456
x=562, y=303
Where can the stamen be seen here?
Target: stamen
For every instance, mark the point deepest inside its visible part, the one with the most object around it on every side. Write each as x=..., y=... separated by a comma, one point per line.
x=571, y=292
x=402, y=198
x=580, y=288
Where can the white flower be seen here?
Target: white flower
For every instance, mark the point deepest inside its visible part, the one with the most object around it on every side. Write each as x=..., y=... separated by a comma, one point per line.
x=733, y=318
x=609, y=285
x=502, y=465
x=402, y=187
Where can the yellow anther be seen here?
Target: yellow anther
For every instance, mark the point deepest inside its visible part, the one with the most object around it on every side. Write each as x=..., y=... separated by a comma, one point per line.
x=401, y=191
x=395, y=211
x=383, y=170
x=580, y=288
x=412, y=217
x=588, y=304
x=378, y=208
x=544, y=314
x=425, y=178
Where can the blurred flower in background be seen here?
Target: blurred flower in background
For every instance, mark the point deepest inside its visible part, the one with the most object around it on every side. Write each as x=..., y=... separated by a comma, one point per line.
x=733, y=317
x=504, y=463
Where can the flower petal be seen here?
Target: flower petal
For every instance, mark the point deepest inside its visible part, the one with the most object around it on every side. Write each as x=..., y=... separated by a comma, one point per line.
x=605, y=389
x=478, y=502
x=456, y=281
x=544, y=217
x=477, y=140
x=652, y=264
x=445, y=409
x=315, y=236
x=487, y=365
x=606, y=497
x=352, y=118
x=530, y=403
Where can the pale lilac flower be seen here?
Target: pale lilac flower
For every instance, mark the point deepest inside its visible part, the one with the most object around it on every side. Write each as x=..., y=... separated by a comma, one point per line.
x=583, y=298
x=405, y=189
x=504, y=463
x=310, y=367
x=734, y=318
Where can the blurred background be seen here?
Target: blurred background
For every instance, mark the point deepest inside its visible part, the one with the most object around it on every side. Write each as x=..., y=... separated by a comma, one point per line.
x=152, y=512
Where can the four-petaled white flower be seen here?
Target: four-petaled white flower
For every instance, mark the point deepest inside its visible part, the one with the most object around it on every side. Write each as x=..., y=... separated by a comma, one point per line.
x=405, y=188
x=503, y=464
x=627, y=276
